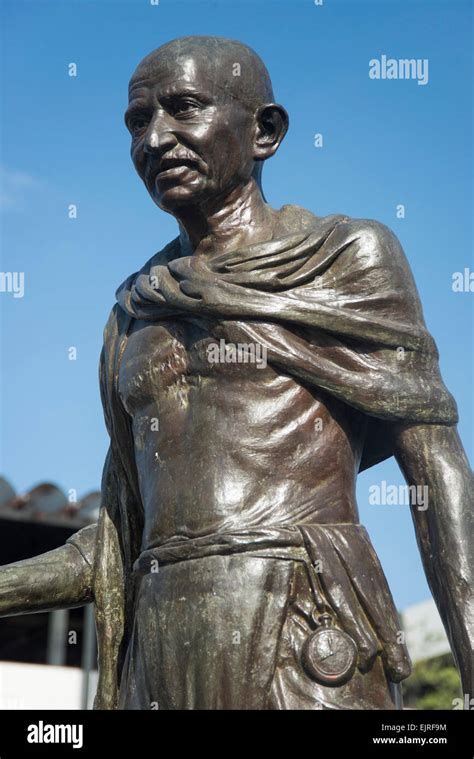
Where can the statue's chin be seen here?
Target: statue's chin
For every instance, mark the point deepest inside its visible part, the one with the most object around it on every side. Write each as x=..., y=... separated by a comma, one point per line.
x=179, y=197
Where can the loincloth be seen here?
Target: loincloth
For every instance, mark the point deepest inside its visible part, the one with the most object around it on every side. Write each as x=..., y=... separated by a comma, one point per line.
x=214, y=588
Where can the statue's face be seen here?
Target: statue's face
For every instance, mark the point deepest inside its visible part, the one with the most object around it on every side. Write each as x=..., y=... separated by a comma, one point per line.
x=191, y=143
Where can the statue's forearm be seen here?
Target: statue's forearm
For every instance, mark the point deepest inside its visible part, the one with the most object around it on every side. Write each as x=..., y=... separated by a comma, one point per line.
x=433, y=456
x=58, y=579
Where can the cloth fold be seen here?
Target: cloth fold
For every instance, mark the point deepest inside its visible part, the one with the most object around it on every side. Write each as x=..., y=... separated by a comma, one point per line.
x=333, y=304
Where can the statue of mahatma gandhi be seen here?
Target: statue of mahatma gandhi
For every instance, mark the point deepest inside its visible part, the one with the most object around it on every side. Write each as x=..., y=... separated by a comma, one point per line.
x=249, y=370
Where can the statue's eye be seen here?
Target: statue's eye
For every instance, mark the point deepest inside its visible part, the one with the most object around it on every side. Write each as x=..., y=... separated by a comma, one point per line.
x=137, y=124
x=185, y=107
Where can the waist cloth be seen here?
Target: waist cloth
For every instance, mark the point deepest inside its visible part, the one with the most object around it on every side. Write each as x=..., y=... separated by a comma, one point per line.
x=345, y=575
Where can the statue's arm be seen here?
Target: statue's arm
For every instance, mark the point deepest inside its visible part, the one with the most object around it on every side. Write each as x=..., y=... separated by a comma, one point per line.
x=58, y=579
x=433, y=455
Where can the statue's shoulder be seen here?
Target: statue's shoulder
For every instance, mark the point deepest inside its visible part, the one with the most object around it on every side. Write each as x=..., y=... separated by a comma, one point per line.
x=371, y=232
x=292, y=218
x=114, y=324
x=119, y=318
x=162, y=257
x=369, y=241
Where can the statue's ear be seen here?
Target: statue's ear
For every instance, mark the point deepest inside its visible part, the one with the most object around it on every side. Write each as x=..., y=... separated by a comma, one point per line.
x=271, y=124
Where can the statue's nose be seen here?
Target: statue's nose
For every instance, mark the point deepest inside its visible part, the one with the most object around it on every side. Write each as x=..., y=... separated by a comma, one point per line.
x=159, y=137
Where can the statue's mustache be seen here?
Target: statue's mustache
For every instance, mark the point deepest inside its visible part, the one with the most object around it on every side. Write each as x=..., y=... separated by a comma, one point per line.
x=172, y=160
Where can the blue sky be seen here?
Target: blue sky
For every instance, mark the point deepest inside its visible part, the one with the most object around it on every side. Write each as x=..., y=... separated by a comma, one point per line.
x=386, y=142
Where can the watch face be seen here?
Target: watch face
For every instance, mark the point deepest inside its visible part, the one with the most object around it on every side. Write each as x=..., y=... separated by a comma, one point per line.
x=329, y=656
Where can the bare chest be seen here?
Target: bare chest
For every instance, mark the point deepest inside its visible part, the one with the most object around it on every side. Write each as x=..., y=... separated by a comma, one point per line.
x=163, y=359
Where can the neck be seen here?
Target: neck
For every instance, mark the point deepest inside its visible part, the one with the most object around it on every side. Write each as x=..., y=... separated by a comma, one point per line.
x=242, y=217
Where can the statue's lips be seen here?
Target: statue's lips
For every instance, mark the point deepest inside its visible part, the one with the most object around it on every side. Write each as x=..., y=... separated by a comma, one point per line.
x=176, y=172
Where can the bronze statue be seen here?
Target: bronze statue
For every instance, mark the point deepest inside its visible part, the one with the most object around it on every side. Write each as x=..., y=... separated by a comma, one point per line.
x=249, y=371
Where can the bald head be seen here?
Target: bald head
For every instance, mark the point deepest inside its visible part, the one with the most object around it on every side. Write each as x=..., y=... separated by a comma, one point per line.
x=232, y=70
x=202, y=119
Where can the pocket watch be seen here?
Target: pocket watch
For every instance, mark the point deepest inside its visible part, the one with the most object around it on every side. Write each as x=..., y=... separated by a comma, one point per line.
x=329, y=655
